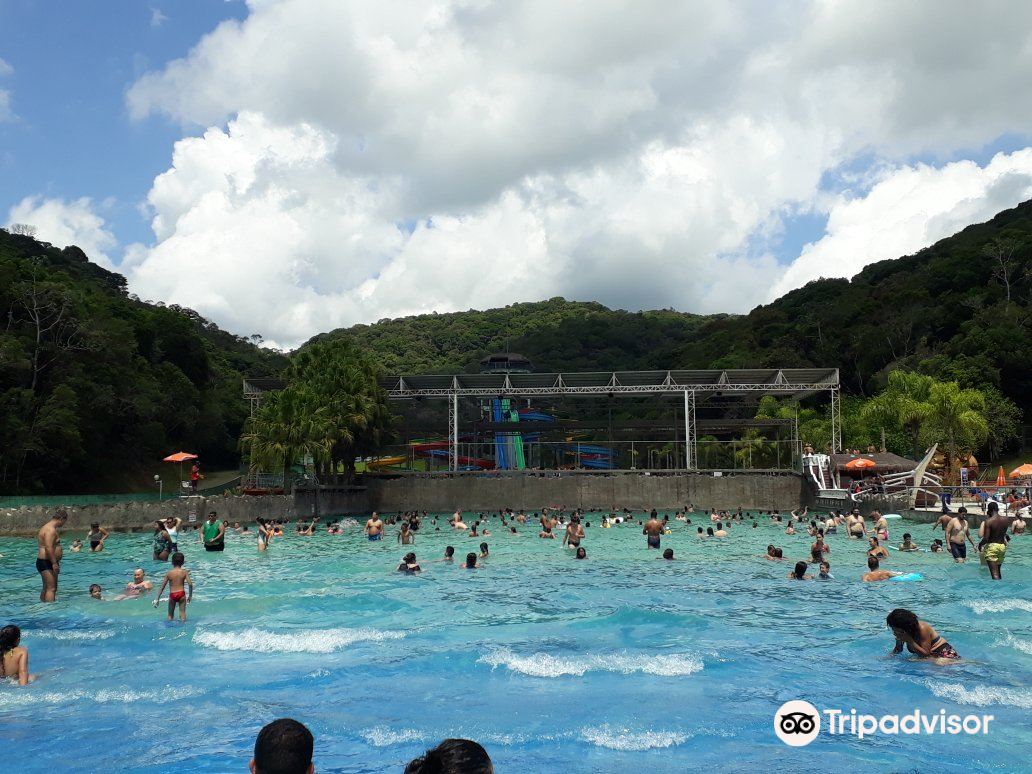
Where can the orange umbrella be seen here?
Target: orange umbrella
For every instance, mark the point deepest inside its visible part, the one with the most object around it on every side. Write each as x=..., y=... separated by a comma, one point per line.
x=180, y=457
x=861, y=463
x=1022, y=471
x=1001, y=477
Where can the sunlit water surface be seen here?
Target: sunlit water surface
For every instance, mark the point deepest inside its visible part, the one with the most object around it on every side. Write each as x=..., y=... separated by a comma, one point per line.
x=622, y=662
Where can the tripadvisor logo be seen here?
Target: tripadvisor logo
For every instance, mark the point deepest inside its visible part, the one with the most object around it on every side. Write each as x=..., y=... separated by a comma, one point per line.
x=797, y=723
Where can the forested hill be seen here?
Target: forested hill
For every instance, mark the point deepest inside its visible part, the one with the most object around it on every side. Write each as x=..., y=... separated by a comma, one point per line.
x=944, y=311
x=97, y=386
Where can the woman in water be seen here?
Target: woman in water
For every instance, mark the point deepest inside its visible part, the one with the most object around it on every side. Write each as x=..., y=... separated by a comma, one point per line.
x=14, y=659
x=449, y=554
x=799, y=572
x=96, y=537
x=264, y=534
x=409, y=565
x=471, y=562
x=162, y=543
x=581, y=553
x=484, y=553
x=919, y=637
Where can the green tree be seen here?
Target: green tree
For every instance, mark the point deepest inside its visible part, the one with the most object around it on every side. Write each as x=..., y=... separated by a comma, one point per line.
x=955, y=418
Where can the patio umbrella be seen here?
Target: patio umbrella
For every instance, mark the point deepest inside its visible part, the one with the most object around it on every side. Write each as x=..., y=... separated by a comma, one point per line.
x=861, y=463
x=1022, y=471
x=180, y=457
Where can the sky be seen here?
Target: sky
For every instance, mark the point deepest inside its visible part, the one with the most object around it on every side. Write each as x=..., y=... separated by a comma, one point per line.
x=287, y=167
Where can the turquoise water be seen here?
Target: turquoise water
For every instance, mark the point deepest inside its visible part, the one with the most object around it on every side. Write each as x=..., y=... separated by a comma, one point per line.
x=621, y=662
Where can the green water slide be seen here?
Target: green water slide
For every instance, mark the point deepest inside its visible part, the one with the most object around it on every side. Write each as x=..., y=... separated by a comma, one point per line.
x=509, y=412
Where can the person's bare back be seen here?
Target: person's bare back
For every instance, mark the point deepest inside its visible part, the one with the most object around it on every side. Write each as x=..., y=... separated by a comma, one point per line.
x=177, y=579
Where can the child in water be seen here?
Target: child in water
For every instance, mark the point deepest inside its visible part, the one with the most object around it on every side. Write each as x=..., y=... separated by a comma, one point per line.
x=177, y=579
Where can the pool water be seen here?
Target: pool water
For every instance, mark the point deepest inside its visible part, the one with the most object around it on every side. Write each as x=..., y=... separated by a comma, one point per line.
x=622, y=662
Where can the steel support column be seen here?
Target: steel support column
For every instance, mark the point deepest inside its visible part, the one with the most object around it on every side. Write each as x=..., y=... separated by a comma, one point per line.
x=836, y=420
x=453, y=432
x=690, y=461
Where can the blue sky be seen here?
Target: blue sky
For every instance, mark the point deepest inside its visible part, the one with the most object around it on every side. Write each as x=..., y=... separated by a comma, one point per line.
x=340, y=161
x=72, y=135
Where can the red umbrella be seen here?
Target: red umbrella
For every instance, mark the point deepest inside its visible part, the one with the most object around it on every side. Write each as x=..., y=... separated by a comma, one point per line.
x=180, y=457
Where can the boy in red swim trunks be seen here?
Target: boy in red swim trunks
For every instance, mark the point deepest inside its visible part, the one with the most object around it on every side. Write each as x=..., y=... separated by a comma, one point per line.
x=177, y=579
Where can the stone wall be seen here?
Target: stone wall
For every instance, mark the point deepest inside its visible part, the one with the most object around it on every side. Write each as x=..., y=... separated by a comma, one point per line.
x=134, y=516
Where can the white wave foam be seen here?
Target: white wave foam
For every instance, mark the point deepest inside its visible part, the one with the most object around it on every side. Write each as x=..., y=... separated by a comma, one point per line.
x=301, y=641
x=68, y=634
x=382, y=736
x=982, y=696
x=29, y=697
x=1025, y=646
x=612, y=739
x=547, y=665
x=1002, y=606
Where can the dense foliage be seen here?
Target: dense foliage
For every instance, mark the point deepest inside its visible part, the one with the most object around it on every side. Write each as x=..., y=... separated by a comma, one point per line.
x=97, y=386
x=330, y=412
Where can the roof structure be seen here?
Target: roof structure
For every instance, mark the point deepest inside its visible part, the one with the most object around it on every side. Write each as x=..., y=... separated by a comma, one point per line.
x=793, y=382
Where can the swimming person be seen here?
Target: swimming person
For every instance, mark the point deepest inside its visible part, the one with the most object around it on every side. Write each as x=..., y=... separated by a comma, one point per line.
x=405, y=535
x=484, y=553
x=452, y=756
x=177, y=579
x=881, y=526
x=409, y=565
x=874, y=573
x=374, y=527
x=284, y=745
x=96, y=537
x=876, y=549
x=652, y=529
x=957, y=531
x=919, y=637
x=213, y=533
x=855, y=524
x=264, y=533
x=95, y=591
x=825, y=572
x=817, y=550
x=799, y=572
x=581, y=553
x=668, y=554
x=908, y=544
x=471, y=562
x=14, y=659
x=993, y=544
x=449, y=553
x=138, y=584
x=49, y=554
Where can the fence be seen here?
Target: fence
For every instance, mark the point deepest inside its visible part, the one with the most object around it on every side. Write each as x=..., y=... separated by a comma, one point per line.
x=56, y=501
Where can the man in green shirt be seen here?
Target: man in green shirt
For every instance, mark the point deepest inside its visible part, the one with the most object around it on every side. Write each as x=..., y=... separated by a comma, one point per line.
x=214, y=533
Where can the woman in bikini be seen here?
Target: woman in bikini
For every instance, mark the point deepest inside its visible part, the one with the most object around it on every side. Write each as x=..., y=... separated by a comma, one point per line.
x=14, y=659
x=919, y=637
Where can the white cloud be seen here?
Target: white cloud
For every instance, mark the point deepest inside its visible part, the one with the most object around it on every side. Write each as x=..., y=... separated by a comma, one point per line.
x=66, y=223
x=157, y=18
x=909, y=208
x=362, y=160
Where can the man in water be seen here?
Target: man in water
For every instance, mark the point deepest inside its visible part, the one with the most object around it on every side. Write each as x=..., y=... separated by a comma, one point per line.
x=993, y=544
x=957, y=531
x=214, y=533
x=721, y=532
x=875, y=574
x=374, y=527
x=139, y=584
x=574, y=533
x=283, y=745
x=49, y=554
x=943, y=521
x=653, y=529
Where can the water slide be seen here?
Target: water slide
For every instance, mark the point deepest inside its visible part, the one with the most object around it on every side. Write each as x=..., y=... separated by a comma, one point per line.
x=501, y=448
x=439, y=450
x=516, y=457
x=385, y=462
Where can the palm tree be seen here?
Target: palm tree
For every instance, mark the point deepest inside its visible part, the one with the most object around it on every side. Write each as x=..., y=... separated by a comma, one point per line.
x=902, y=406
x=289, y=426
x=955, y=418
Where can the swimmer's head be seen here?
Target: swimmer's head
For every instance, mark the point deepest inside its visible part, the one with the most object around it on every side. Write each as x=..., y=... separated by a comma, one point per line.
x=10, y=636
x=581, y=553
x=992, y=508
x=904, y=621
x=410, y=557
x=449, y=551
x=138, y=574
x=95, y=525
x=872, y=563
x=483, y=548
x=471, y=560
x=800, y=569
x=709, y=531
x=178, y=559
x=698, y=530
x=668, y=553
x=873, y=541
x=906, y=536
x=61, y=515
x=825, y=567
x=95, y=590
